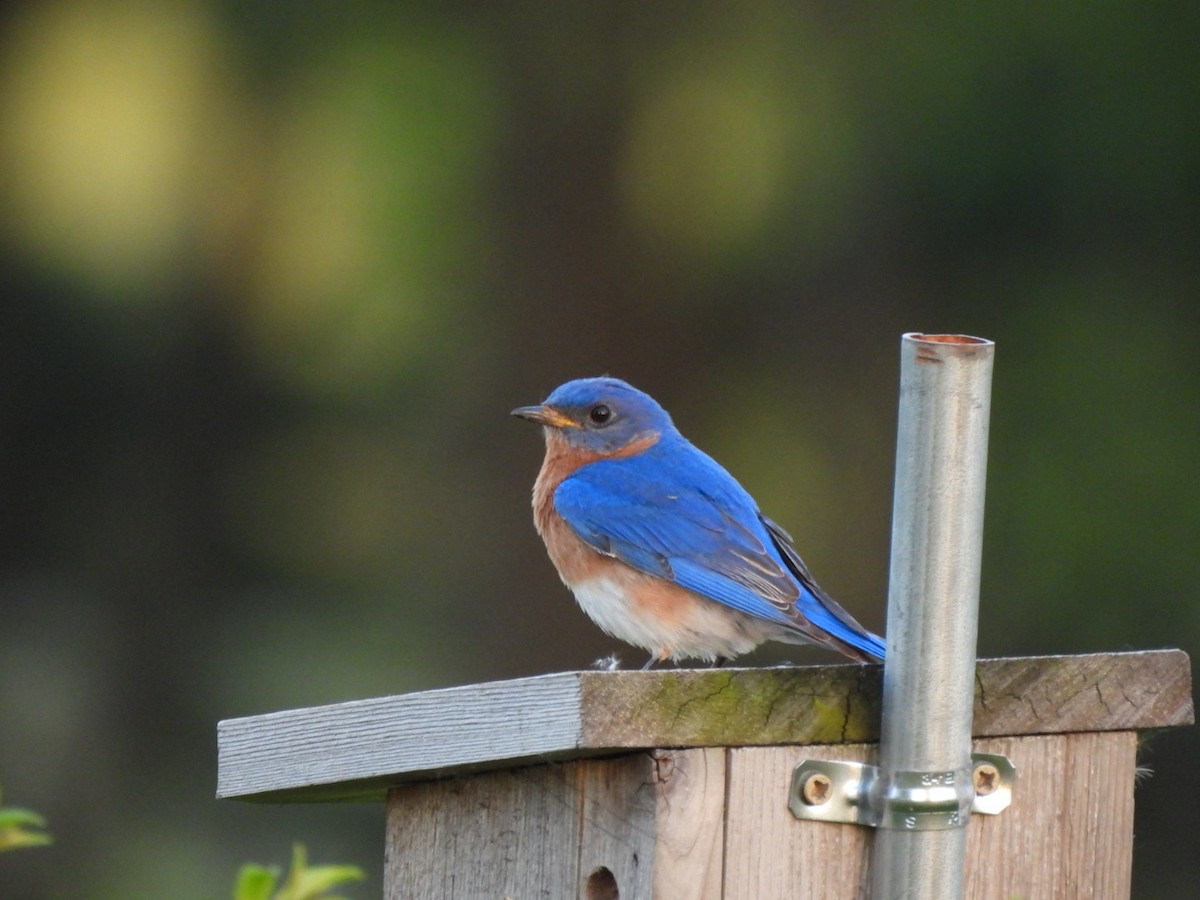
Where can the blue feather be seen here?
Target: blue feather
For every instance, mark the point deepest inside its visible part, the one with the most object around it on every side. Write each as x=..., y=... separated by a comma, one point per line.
x=674, y=512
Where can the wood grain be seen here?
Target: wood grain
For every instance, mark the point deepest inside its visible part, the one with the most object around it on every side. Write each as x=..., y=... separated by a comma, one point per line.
x=1093, y=692
x=1069, y=832
x=704, y=824
x=490, y=836
x=771, y=853
x=646, y=825
x=356, y=750
x=690, y=792
x=618, y=811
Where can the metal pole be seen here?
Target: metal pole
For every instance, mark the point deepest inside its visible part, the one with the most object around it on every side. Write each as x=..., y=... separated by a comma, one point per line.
x=933, y=615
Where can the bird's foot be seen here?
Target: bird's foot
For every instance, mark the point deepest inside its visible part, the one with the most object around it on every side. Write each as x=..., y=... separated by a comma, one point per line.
x=655, y=658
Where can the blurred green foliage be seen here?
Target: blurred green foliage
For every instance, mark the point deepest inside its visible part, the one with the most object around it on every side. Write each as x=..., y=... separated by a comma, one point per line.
x=21, y=828
x=273, y=275
x=303, y=882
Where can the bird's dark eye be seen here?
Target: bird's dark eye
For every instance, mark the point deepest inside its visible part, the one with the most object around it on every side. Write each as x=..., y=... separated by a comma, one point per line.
x=600, y=415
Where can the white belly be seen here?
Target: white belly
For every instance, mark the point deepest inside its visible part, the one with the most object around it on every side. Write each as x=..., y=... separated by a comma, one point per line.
x=698, y=628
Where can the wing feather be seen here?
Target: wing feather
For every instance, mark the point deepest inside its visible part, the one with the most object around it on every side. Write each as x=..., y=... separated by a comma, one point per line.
x=650, y=512
x=712, y=543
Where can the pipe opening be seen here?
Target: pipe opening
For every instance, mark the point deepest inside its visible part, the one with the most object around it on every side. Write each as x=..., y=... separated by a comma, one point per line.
x=948, y=338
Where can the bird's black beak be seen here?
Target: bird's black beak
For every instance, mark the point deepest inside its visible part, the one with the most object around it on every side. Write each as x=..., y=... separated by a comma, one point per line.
x=544, y=415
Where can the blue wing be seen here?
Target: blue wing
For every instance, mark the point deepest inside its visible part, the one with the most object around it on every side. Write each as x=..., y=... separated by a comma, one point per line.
x=673, y=512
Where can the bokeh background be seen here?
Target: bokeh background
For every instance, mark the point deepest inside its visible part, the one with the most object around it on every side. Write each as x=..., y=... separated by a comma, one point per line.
x=273, y=274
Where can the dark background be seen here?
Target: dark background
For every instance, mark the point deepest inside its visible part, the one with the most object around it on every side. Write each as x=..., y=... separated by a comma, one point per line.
x=273, y=274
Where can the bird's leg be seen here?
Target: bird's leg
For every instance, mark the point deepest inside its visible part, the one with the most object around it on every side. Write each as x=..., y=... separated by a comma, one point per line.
x=657, y=657
x=720, y=661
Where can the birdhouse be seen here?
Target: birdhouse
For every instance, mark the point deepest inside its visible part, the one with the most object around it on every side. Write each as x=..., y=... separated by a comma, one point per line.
x=679, y=784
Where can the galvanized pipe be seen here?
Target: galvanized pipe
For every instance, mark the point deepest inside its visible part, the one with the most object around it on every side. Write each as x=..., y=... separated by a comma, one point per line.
x=933, y=614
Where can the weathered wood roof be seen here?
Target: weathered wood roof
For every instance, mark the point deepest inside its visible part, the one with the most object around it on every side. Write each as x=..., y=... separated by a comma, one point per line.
x=356, y=750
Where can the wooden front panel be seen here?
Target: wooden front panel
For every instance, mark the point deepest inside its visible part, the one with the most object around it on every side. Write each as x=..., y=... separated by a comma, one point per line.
x=713, y=824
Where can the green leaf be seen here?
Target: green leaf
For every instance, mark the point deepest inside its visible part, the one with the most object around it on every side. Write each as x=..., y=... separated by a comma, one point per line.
x=305, y=883
x=15, y=817
x=14, y=838
x=255, y=882
x=312, y=883
x=18, y=828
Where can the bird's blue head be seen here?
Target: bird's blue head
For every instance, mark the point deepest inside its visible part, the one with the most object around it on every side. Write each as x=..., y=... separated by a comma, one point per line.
x=600, y=415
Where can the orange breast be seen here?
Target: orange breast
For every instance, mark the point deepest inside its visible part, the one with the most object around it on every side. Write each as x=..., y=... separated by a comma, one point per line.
x=572, y=556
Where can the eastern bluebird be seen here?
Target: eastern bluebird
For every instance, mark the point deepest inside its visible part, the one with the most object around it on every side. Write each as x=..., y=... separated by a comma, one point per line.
x=660, y=545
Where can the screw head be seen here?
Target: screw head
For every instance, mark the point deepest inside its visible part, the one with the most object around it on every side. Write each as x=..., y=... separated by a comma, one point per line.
x=987, y=779
x=816, y=790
